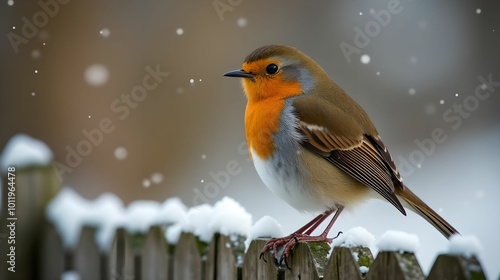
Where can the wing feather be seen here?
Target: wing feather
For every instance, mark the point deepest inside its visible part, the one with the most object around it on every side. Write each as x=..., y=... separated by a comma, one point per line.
x=362, y=158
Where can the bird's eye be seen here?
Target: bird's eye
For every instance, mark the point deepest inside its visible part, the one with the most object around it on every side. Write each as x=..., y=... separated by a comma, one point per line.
x=272, y=69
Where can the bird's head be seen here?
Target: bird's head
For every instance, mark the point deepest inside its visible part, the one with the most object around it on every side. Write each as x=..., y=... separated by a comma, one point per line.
x=277, y=72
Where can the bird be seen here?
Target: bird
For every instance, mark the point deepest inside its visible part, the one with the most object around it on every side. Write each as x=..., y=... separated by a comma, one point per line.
x=314, y=147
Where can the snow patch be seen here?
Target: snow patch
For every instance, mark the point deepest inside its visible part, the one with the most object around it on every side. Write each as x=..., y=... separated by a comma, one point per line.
x=364, y=269
x=70, y=275
x=68, y=212
x=464, y=245
x=140, y=215
x=109, y=214
x=357, y=236
x=171, y=211
x=398, y=241
x=265, y=227
x=173, y=233
x=230, y=218
x=23, y=150
x=197, y=221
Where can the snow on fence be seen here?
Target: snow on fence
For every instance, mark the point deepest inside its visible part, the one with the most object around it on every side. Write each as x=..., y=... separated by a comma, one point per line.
x=39, y=252
x=148, y=256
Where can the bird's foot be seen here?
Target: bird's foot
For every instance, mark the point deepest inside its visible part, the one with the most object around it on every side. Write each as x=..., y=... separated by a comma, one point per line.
x=288, y=243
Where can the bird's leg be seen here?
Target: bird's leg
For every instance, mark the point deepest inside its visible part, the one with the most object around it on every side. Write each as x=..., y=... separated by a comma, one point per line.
x=302, y=235
x=274, y=243
x=306, y=237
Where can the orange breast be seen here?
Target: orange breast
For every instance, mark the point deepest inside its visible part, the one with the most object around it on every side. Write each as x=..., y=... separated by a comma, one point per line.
x=262, y=117
x=266, y=100
x=262, y=120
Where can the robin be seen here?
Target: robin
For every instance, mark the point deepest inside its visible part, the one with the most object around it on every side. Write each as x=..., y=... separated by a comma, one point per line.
x=314, y=146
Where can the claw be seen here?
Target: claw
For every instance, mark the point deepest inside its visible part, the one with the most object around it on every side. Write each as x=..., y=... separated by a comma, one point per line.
x=261, y=257
x=338, y=234
x=286, y=264
x=288, y=243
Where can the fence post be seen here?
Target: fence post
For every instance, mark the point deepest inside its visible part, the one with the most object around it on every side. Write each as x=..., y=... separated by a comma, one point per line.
x=456, y=267
x=308, y=261
x=255, y=268
x=34, y=188
x=345, y=263
x=121, y=257
x=187, y=258
x=395, y=265
x=155, y=258
x=210, y=259
x=51, y=255
x=224, y=257
x=86, y=261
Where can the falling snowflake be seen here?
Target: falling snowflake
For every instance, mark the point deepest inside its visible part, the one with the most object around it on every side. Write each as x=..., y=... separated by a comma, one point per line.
x=36, y=53
x=156, y=178
x=365, y=59
x=96, y=75
x=105, y=32
x=121, y=153
x=242, y=22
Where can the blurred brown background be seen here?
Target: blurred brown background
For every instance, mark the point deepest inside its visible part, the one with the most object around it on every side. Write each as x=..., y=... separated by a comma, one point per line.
x=423, y=61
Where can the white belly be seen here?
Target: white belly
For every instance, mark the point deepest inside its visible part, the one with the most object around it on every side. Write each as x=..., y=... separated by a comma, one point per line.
x=288, y=184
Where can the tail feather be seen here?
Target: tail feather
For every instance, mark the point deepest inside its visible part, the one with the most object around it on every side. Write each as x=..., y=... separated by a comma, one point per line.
x=422, y=209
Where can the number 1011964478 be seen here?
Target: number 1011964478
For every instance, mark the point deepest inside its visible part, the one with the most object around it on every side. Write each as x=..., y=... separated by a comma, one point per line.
x=11, y=187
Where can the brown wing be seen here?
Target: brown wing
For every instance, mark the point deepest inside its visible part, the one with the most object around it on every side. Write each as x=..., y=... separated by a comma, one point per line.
x=362, y=156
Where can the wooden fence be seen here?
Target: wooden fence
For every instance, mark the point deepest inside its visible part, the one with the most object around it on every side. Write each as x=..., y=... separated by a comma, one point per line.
x=149, y=257
x=41, y=254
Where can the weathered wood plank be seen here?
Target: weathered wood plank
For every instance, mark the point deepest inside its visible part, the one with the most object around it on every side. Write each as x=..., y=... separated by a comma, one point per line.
x=187, y=258
x=229, y=254
x=395, y=265
x=345, y=263
x=155, y=256
x=121, y=257
x=52, y=255
x=86, y=260
x=456, y=267
x=255, y=268
x=308, y=261
x=209, y=257
x=34, y=187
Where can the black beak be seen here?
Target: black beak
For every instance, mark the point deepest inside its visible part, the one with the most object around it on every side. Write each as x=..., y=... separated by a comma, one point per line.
x=239, y=74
